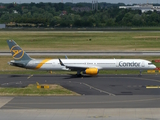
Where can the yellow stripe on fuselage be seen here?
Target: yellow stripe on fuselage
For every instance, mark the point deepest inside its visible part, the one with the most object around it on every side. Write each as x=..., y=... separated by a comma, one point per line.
x=41, y=63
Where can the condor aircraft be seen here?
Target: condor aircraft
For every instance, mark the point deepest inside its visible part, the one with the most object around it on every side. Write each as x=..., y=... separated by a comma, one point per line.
x=85, y=66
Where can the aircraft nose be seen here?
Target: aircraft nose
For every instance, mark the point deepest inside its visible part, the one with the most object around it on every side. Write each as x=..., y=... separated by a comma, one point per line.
x=154, y=67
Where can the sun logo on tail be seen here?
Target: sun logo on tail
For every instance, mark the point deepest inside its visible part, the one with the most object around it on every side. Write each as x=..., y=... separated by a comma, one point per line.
x=17, y=52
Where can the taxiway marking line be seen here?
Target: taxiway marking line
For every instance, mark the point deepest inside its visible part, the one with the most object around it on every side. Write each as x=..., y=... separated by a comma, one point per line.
x=152, y=87
x=29, y=76
x=99, y=89
x=146, y=79
x=11, y=83
x=149, y=79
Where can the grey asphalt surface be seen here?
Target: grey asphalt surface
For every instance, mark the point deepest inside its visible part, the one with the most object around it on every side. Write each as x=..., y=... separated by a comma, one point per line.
x=136, y=53
x=105, y=97
x=90, y=85
x=103, y=91
x=83, y=102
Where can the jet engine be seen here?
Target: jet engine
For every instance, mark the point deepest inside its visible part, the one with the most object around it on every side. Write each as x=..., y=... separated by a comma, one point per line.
x=91, y=71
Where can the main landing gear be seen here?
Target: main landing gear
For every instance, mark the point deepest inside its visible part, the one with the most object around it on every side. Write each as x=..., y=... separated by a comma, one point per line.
x=79, y=74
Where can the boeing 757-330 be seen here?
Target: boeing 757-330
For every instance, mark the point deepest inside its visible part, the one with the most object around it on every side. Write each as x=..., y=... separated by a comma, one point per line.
x=85, y=66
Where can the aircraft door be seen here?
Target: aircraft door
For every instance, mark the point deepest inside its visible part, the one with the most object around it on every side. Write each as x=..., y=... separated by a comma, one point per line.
x=143, y=64
x=53, y=64
x=117, y=63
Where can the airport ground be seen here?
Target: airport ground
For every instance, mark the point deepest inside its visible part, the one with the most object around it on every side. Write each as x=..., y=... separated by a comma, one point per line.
x=103, y=97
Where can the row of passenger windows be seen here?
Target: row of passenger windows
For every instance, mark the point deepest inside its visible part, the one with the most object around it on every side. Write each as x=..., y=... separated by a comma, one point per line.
x=79, y=63
x=88, y=63
x=92, y=63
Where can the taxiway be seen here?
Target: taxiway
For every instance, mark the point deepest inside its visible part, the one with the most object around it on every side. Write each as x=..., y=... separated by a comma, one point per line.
x=86, y=85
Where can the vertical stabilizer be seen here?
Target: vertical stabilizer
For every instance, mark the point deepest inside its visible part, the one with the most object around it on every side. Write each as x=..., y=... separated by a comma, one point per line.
x=17, y=52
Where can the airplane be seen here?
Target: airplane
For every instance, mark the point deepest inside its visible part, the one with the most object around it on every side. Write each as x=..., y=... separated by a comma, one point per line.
x=85, y=66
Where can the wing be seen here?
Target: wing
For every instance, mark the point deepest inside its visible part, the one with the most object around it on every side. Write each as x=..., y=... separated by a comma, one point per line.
x=75, y=67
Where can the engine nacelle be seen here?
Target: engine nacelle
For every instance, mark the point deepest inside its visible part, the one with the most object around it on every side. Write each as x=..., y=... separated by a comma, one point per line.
x=91, y=71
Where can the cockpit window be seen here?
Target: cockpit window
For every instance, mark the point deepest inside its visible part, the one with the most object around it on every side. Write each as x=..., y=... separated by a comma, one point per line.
x=150, y=64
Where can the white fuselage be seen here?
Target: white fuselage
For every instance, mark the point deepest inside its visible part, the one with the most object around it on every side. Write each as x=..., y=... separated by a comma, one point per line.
x=100, y=64
x=85, y=66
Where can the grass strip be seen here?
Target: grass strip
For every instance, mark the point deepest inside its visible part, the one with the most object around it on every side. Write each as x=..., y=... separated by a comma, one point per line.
x=32, y=90
x=82, y=41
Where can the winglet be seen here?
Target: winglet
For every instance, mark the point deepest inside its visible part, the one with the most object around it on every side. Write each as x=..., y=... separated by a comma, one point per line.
x=66, y=57
x=61, y=63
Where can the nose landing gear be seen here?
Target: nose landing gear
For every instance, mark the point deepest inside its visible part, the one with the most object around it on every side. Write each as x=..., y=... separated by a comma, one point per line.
x=140, y=73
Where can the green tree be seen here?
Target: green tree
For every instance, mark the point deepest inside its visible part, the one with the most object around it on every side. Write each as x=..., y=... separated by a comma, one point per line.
x=137, y=20
x=127, y=19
